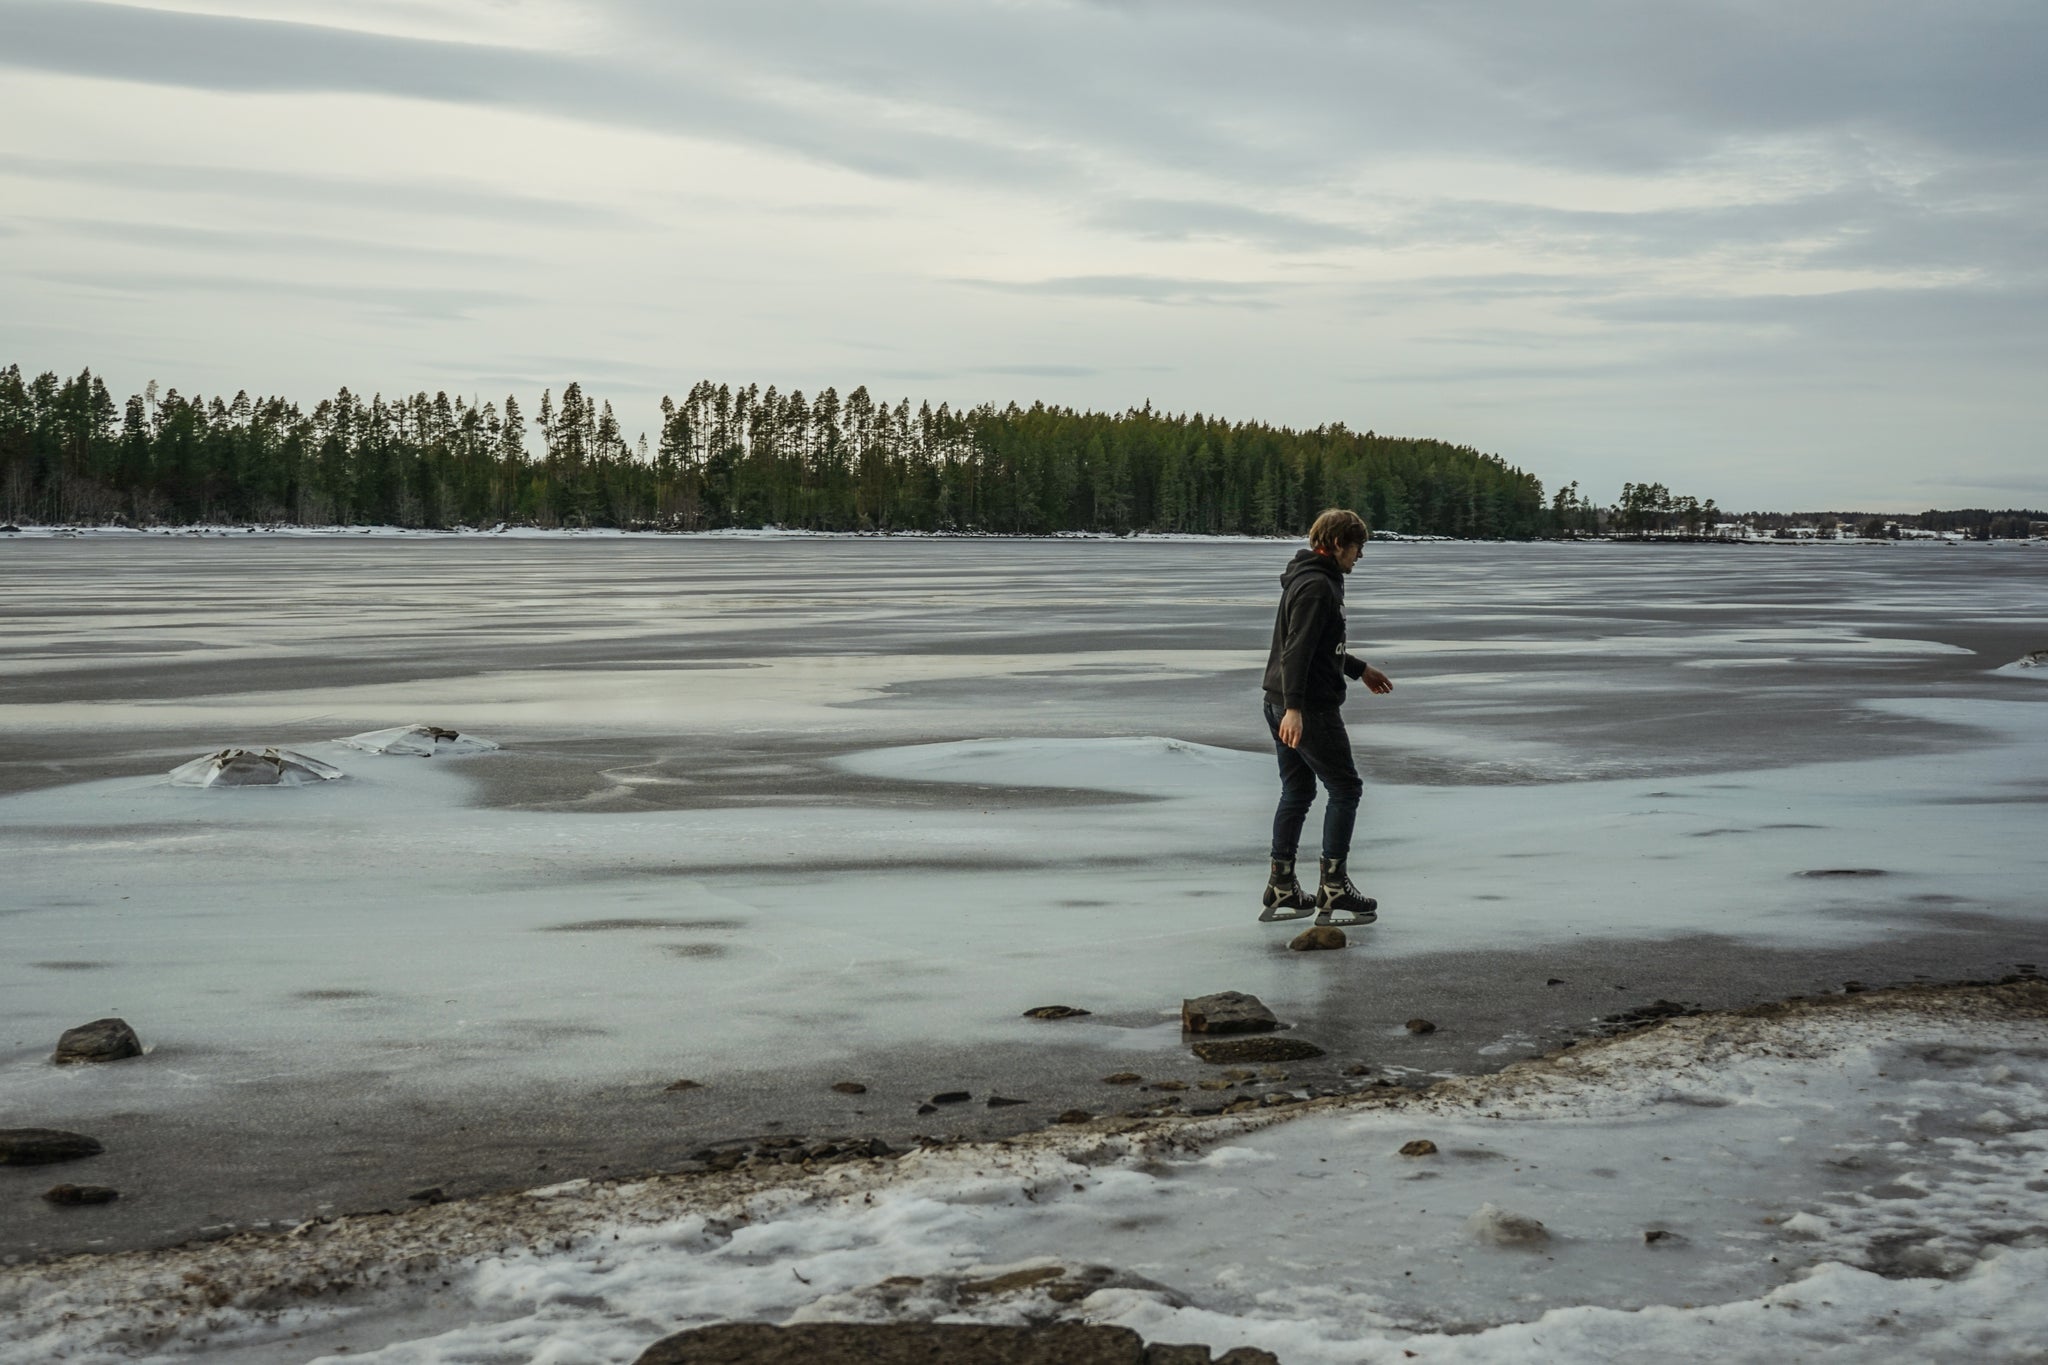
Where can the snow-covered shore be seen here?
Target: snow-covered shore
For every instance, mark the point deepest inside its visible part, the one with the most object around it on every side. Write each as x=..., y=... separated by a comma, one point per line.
x=508, y=532
x=1851, y=1178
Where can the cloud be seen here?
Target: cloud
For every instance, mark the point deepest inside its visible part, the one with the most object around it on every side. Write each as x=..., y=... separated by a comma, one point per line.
x=1180, y=220
x=447, y=196
x=1154, y=289
x=233, y=54
x=1039, y=371
x=421, y=303
x=246, y=241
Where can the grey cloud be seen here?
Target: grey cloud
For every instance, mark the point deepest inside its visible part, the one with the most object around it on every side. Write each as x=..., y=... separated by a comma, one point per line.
x=2025, y=490
x=349, y=192
x=244, y=241
x=1154, y=289
x=2012, y=322
x=1265, y=98
x=1179, y=220
x=213, y=52
x=1040, y=371
x=410, y=302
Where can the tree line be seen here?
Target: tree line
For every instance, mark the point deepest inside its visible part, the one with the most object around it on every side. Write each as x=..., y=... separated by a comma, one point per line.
x=724, y=456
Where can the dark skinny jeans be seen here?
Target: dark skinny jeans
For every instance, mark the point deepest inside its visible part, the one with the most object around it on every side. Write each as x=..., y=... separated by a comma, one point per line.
x=1325, y=753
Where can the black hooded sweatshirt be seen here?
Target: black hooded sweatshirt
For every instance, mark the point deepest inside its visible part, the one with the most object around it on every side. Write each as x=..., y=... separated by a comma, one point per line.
x=1308, y=665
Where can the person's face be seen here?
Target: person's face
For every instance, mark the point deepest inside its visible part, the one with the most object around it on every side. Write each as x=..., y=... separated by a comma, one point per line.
x=1347, y=555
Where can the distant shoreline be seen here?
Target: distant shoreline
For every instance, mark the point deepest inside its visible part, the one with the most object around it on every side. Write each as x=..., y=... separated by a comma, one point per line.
x=241, y=530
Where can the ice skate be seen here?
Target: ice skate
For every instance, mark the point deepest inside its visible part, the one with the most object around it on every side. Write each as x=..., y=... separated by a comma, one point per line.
x=1338, y=902
x=1284, y=898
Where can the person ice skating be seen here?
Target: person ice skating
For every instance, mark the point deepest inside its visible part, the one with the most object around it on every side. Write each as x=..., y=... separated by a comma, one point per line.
x=1304, y=686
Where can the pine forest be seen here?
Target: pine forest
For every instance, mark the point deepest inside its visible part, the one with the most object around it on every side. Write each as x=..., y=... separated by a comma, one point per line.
x=724, y=457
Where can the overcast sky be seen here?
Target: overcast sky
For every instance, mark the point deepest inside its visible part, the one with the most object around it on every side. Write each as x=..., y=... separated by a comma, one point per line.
x=1781, y=255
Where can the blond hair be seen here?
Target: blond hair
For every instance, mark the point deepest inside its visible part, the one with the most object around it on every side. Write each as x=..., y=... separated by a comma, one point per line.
x=1337, y=528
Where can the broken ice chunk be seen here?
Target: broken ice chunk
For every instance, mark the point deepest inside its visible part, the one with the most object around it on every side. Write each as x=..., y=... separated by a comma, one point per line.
x=1491, y=1223
x=423, y=741
x=253, y=768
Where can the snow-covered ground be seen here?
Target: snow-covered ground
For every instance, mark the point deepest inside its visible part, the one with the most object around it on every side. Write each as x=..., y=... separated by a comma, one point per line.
x=1857, y=1180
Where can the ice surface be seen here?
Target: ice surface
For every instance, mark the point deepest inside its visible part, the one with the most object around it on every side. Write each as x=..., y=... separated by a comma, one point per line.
x=778, y=802
x=1526, y=788
x=1815, y=1181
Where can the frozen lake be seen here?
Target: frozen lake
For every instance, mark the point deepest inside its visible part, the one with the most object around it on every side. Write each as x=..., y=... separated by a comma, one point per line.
x=775, y=813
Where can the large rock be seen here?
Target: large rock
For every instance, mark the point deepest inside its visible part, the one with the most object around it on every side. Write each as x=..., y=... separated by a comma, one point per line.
x=1223, y=1050
x=1226, y=1012
x=1318, y=938
x=928, y=1343
x=41, y=1146
x=908, y=1343
x=103, y=1040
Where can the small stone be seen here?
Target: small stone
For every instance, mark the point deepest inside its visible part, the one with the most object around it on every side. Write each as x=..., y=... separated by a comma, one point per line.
x=1167, y=1085
x=1420, y=1026
x=1661, y=1237
x=1272, y=1073
x=684, y=1085
x=927, y=1109
x=950, y=1097
x=1226, y=1012
x=1163, y=1353
x=849, y=1087
x=1238, y=1073
x=41, y=1146
x=103, y=1040
x=1358, y=1069
x=1003, y=1101
x=1122, y=1078
x=1318, y=938
x=1490, y=1223
x=1217, y=1084
x=1055, y=1012
x=432, y=1195
x=1555, y=981
x=1255, y=1050
x=1418, y=1147
x=1247, y=1355
x=72, y=1195
x=1075, y=1116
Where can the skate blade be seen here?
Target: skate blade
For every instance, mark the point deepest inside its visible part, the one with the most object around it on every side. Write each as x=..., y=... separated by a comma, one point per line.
x=1327, y=921
x=1276, y=914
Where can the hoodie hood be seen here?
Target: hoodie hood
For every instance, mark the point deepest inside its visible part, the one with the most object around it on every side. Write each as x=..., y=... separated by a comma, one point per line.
x=1308, y=561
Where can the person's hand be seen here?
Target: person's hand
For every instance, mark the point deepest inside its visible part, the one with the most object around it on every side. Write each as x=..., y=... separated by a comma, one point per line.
x=1377, y=681
x=1290, y=729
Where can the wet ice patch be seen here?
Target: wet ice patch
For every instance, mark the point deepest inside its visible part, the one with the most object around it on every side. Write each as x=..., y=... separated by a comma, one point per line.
x=1144, y=764
x=423, y=741
x=270, y=767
